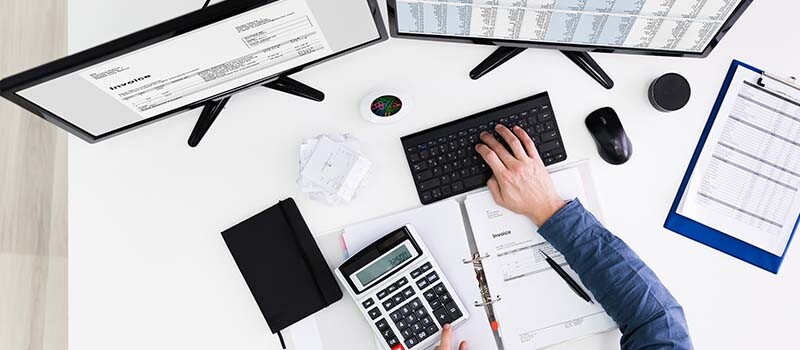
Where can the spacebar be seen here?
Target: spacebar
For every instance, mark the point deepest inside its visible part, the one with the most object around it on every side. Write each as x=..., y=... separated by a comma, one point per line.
x=477, y=180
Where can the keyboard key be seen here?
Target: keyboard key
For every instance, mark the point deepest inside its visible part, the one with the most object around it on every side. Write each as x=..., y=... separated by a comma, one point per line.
x=421, y=335
x=452, y=310
x=549, y=146
x=421, y=313
x=388, y=304
x=416, y=327
x=475, y=181
x=391, y=288
x=387, y=333
x=382, y=294
x=407, y=332
x=441, y=316
x=445, y=297
x=432, y=277
x=446, y=191
x=426, y=197
x=439, y=289
x=374, y=313
x=426, y=321
x=457, y=186
x=414, y=157
x=431, y=329
x=401, y=325
x=435, y=303
x=394, y=344
x=425, y=267
x=411, y=342
x=436, y=193
x=415, y=304
x=411, y=319
x=408, y=292
x=429, y=294
x=559, y=157
x=406, y=310
x=367, y=303
x=416, y=273
x=422, y=176
x=421, y=284
x=549, y=136
x=398, y=298
x=429, y=185
x=402, y=282
x=396, y=316
x=382, y=324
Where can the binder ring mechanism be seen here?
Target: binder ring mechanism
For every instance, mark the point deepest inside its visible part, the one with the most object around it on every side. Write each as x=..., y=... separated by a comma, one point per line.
x=476, y=259
x=488, y=301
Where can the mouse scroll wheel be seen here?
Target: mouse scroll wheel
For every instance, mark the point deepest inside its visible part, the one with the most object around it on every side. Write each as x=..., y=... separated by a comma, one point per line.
x=603, y=120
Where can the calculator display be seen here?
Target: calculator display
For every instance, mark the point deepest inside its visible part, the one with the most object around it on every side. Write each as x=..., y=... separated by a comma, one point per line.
x=384, y=264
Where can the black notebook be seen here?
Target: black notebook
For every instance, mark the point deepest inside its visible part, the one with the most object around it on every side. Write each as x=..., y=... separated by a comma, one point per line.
x=282, y=265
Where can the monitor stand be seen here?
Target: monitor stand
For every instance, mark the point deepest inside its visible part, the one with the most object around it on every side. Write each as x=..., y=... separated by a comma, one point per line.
x=580, y=58
x=212, y=109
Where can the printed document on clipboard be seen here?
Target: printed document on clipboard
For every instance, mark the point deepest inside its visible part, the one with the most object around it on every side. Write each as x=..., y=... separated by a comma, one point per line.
x=744, y=179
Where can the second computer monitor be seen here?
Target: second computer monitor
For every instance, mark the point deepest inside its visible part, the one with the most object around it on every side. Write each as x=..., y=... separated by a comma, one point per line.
x=675, y=28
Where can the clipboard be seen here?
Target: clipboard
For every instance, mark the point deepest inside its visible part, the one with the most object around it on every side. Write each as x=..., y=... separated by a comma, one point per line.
x=709, y=236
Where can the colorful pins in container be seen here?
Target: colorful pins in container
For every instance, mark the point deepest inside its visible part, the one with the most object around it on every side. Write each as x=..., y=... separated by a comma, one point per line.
x=383, y=107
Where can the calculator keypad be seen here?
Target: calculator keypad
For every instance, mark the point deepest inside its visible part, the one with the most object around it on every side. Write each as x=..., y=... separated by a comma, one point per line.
x=405, y=309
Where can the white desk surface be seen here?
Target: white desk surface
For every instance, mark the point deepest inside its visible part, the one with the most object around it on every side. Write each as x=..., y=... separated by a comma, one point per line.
x=149, y=270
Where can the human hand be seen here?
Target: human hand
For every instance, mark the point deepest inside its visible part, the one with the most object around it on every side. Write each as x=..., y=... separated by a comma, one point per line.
x=447, y=340
x=520, y=182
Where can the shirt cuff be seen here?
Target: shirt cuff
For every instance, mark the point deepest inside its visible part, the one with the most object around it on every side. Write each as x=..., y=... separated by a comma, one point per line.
x=570, y=221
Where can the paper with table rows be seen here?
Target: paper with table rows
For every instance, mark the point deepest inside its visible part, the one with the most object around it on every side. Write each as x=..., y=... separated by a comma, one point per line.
x=746, y=180
x=686, y=25
x=537, y=308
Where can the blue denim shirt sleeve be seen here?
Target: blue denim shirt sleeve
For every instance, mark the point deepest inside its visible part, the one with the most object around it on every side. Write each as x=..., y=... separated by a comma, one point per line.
x=647, y=314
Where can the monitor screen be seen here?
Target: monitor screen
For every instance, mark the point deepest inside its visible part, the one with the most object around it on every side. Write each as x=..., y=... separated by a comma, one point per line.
x=162, y=78
x=686, y=26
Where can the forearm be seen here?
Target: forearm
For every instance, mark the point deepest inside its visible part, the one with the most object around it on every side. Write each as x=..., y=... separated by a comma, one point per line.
x=647, y=314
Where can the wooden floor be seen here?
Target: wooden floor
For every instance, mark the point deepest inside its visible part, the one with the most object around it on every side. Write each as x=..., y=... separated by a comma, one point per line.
x=33, y=189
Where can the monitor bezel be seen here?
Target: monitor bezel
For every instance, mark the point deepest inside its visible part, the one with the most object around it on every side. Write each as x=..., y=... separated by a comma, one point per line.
x=10, y=86
x=395, y=33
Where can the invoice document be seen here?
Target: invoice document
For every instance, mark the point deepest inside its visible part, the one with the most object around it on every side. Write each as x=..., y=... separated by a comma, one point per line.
x=746, y=180
x=536, y=308
x=219, y=57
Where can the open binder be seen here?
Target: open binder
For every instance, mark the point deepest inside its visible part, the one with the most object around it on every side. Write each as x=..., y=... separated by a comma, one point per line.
x=758, y=227
x=527, y=305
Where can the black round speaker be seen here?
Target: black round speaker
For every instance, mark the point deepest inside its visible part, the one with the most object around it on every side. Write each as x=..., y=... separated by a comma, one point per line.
x=670, y=92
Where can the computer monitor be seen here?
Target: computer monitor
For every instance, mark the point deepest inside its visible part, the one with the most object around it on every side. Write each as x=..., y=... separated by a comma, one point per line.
x=188, y=61
x=664, y=27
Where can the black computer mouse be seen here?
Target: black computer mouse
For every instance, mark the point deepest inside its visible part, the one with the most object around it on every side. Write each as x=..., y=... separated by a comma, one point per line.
x=612, y=142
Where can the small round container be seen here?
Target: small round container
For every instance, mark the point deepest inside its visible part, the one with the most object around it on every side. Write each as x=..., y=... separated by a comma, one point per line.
x=670, y=92
x=382, y=107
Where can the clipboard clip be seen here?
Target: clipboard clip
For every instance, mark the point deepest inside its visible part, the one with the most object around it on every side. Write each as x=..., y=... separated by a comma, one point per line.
x=790, y=82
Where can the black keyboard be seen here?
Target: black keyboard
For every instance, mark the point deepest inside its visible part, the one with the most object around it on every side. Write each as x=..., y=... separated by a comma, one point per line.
x=443, y=159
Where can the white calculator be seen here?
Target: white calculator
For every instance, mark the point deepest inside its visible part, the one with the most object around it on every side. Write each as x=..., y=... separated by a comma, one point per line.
x=401, y=291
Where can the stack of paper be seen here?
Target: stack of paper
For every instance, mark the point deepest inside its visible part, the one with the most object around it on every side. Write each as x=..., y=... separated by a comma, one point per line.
x=332, y=168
